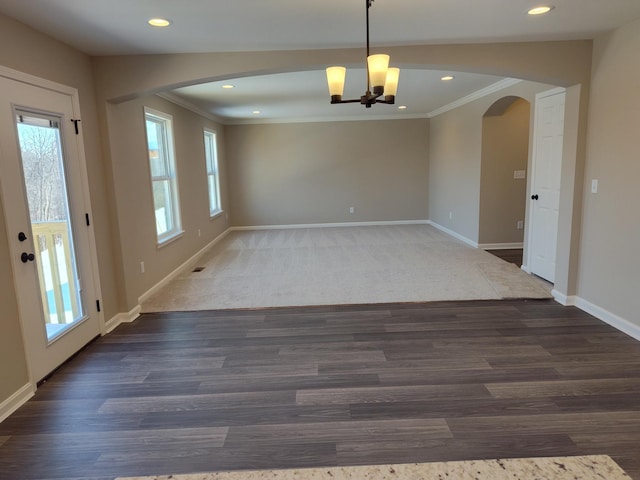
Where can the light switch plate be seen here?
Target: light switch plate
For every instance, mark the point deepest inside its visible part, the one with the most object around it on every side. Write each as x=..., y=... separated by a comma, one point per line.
x=519, y=174
x=594, y=186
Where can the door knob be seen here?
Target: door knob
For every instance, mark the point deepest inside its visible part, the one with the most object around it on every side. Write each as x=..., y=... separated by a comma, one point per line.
x=534, y=197
x=22, y=237
x=27, y=257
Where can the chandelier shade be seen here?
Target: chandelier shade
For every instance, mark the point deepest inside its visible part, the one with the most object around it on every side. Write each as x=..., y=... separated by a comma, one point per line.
x=381, y=80
x=378, y=66
x=391, y=83
x=335, y=79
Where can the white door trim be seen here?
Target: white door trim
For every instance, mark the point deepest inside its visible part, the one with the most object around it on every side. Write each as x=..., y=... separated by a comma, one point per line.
x=72, y=92
x=549, y=93
x=37, y=81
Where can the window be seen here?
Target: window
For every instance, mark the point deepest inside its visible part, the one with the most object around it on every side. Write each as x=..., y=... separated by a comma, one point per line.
x=163, y=174
x=213, y=179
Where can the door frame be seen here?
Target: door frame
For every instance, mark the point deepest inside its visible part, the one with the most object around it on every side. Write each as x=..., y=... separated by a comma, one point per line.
x=72, y=93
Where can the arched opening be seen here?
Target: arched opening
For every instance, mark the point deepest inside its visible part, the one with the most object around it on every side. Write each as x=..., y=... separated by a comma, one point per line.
x=125, y=78
x=503, y=185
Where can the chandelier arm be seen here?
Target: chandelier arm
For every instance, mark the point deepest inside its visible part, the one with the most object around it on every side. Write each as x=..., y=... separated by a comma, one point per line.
x=368, y=99
x=346, y=101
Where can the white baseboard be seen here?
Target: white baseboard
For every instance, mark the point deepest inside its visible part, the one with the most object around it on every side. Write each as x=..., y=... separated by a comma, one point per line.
x=500, y=246
x=16, y=400
x=622, y=324
x=562, y=299
x=116, y=320
x=453, y=234
x=185, y=266
x=329, y=225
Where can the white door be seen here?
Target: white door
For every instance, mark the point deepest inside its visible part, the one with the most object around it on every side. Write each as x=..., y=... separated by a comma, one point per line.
x=45, y=199
x=545, y=187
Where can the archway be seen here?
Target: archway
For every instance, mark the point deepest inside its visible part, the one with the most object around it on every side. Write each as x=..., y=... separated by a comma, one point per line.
x=565, y=64
x=503, y=185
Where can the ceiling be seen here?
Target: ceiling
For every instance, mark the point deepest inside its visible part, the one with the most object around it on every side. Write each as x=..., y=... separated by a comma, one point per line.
x=303, y=96
x=118, y=27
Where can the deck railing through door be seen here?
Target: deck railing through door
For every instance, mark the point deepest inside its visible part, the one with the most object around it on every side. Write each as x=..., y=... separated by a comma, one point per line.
x=52, y=243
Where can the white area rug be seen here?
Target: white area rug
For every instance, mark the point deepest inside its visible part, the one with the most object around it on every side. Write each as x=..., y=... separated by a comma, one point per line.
x=554, y=468
x=343, y=265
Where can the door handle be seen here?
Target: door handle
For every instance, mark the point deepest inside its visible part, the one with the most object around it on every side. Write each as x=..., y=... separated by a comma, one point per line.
x=27, y=257
x=22, y=237
x=534, y=197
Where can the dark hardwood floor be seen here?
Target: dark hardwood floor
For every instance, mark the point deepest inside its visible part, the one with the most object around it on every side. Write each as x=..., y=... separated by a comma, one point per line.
x=347, y=385
x=511, y=255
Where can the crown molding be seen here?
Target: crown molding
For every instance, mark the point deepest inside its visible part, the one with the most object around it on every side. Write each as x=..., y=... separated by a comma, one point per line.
x=353, y=118
x=496, y=87
x=181, y=102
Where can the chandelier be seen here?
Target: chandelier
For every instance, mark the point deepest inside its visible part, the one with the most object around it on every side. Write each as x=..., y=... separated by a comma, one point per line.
x=380, y=77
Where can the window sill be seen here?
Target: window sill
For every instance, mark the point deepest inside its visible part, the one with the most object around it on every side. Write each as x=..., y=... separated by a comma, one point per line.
x=170, y=239
x=216, y=214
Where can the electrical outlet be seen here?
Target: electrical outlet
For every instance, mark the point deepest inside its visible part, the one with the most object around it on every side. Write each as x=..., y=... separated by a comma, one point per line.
x=198, y=232
x=352, y=210
x=450, y=215
x=520, y=225
x=594, y=186
x=141, y=267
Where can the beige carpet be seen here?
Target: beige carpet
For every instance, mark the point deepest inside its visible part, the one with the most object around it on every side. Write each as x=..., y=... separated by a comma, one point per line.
x=343, y=265
x=590, y=467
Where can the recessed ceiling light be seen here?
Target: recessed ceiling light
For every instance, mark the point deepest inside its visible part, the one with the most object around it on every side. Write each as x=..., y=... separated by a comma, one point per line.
x=542, y=9
x=446, y=78
x=159, y=22
x=228, y=86
x=402, y=107
x=256, y=112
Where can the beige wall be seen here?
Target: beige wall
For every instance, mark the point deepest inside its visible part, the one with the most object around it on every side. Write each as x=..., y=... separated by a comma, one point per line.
x=609, y=275
x=287, y=174
x=505, y=148
x=13, y=363
x=454, y=170
x=455, y=154
x=134, y=202
x=36, y=54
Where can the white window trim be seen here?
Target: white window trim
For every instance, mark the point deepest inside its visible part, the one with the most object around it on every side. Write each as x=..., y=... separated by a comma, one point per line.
x=177, y=231
x=218, y=210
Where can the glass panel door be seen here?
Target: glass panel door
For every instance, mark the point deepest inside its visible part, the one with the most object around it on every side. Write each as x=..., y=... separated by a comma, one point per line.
x=44, y=176
x=46, y=199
